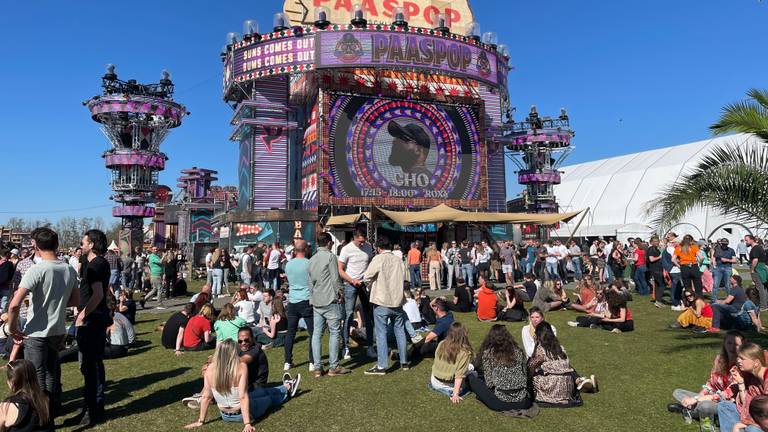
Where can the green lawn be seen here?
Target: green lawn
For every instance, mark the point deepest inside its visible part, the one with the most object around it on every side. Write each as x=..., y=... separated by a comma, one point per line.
x=637, y=373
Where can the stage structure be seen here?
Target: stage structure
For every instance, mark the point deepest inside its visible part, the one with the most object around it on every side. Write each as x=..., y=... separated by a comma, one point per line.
x=186, y=221
x=538, y=146
x=135, y=118
x=342, y=115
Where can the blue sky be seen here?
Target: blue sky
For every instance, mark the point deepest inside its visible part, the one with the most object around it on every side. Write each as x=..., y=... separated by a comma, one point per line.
x=634, y=75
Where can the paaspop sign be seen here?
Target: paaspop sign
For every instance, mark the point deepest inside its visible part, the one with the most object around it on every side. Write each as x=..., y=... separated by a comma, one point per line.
x=421, y=13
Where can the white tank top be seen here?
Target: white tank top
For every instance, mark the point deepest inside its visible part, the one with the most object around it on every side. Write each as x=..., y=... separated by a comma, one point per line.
x=229, y=400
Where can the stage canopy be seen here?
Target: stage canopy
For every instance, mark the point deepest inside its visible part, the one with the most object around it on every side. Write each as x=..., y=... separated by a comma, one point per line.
x=444, y=214
x=350, y=219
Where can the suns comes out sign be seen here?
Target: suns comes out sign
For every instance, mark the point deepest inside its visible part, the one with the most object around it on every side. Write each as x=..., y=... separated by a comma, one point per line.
x=421, y=13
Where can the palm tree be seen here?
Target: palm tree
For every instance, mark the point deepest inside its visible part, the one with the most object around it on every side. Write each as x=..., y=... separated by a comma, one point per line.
x=732, y=179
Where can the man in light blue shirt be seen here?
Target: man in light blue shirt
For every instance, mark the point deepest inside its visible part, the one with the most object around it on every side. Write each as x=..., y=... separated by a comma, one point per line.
x=297, y=273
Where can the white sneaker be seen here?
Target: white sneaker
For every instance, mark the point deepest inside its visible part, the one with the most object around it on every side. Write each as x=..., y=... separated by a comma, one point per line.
x=160, y=308
x=311, y=367
x=416, y=339
x=287, y=366
x=346, y=354
x=573, y=323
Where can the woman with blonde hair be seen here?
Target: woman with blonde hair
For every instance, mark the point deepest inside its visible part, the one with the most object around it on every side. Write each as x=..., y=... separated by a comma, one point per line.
x=226, y=382
x=452, y=359
x=749, y=378
x=197, y=333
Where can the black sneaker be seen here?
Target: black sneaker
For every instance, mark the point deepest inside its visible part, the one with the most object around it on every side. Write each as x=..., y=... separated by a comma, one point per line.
x=675, y=408
x=405, y=366
x=375, y=371
x=84, y=418
x=141, y=303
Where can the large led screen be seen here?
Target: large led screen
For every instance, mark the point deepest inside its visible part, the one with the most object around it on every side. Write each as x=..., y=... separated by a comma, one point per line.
x=384, y=150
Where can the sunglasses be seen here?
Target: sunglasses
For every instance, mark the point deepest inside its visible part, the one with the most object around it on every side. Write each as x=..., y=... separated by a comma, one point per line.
x=243, y=341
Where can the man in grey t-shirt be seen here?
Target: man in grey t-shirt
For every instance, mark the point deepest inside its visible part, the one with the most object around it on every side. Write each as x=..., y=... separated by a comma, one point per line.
x=51, y=285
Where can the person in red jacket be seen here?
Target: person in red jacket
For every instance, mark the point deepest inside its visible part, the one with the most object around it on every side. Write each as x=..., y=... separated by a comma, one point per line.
x=486, y=301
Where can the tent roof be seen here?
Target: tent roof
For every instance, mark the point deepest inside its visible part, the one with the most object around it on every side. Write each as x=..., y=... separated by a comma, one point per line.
x=349, y=219
x=444, y=213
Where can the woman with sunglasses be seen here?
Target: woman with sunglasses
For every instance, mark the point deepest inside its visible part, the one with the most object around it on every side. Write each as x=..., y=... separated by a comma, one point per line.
x=698, y=312
x=226, y=382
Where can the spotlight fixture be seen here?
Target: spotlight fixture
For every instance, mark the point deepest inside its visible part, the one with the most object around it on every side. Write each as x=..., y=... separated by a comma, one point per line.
x=110, y=75
x=321, y=17
x=473, y=30
x=279, y=22
x=251, y=30
x=358, y=16
x=400, y=17
x=491, y=39
x=441, y=23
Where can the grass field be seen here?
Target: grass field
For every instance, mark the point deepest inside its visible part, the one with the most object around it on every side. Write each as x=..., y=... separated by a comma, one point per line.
x=637, y=373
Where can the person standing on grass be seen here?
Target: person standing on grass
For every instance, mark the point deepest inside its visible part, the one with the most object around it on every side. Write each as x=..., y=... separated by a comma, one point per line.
x=297, y=273
x=741, y=249
x=353, y=260
x=51, y=285
x=414, y=265
x=386, y=275
x=92, y=321
x=757, y=268
x=246, y=265
x=724, y=258
x=507, y=255
x=155, y=278
x=326, y=295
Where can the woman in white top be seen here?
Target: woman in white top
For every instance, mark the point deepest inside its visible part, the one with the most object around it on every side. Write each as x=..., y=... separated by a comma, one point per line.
x=246, y=309
x=272, y=260
x=535, y=316
x=226, y=381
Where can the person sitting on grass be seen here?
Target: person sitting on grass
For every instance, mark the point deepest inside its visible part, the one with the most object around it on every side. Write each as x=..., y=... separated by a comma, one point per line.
x=226, y=382
x=501, y=381
x=197, y=333
x=704, y=403
x=697, y=313
x=551, y=296
x=26, y=407
x=486, y=301
x=121, y=334
x=173, y=330
x=452, y=360
x=273, y=335
x=528, y=288
x=228, y=323
x=246, y=309
x=127, y=306
x=758, y=409
x=747, y=317
x=514, y=310
x=723, y=310
x=528, y=334
x=551, y=372
x=748, y=379
x=251, y=355
x=600, y=311
x=586, y=301
x=462, y=299
x=427, y=346
x=425, y=307
x=620, y=317
x=411, y=309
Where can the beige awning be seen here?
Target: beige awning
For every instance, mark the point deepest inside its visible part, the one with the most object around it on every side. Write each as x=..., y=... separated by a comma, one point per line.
x=444, y=213
x=349, y=219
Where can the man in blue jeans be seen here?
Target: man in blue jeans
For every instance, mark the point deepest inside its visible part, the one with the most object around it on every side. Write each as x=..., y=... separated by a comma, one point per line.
x=325, y=287
x=386, y=275
x=467, y=268
x=353, y=260
x=725, y=257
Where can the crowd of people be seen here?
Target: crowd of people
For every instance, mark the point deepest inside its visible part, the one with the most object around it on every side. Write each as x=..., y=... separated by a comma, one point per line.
x=372, y=297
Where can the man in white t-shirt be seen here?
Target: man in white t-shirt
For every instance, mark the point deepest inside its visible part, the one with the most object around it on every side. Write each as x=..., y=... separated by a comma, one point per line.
x=353, y=261
x=607, y=252
x=551, y=262
x=562, y=254
x=209, y=266
x=74, y=260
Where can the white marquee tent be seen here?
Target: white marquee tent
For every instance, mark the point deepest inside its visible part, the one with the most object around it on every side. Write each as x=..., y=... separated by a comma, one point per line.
x=617, y=190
